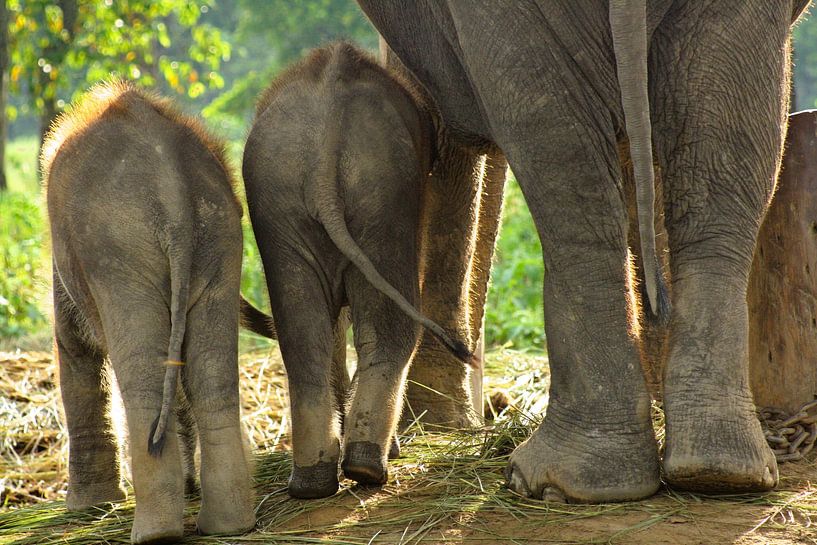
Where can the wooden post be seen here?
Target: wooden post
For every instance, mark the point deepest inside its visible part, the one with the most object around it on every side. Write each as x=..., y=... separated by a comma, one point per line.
x=782, y=294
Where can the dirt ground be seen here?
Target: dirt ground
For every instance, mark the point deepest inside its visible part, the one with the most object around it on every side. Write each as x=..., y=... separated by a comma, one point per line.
x=446, y=488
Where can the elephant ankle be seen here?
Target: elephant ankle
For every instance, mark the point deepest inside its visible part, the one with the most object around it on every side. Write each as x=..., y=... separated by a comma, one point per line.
x=83, y=495
x=316, y=481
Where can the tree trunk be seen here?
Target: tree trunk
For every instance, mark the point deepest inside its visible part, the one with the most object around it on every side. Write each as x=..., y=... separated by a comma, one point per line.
x=4, y=69
x=782, y=292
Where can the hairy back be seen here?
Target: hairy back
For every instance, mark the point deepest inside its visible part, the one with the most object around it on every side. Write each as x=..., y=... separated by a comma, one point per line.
x=340, y=103
x=125, y=158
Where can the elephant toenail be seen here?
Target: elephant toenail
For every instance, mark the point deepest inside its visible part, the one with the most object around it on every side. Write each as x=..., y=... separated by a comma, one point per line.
x=516, y=482
x=508, y=473
x=553, y=495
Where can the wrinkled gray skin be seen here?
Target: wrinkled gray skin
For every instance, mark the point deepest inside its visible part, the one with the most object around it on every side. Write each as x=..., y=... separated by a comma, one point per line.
x=543, y=86
x=146, y=241
x=333, y=169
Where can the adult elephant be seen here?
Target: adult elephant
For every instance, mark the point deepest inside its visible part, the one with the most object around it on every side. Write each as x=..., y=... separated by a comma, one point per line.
x=548, y=83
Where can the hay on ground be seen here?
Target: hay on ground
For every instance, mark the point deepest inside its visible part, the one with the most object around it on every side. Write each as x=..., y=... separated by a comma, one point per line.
x=446, y=486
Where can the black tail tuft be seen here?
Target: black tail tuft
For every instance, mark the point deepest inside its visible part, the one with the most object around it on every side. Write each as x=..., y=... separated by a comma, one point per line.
x=658, y=316
x=155, y=449
x=459, y=349
x=256, y=321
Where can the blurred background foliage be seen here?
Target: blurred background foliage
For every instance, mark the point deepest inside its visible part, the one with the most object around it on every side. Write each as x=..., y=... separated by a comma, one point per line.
x=214, y=57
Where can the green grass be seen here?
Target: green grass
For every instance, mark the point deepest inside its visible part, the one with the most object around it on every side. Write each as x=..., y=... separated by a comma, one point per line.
x=514, y=315
x=23, y=275
x=22, y=165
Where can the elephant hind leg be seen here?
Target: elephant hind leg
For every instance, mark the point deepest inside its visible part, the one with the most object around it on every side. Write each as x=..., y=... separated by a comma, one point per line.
x=138, y=353
x=385, y=338
x=93, y=450
x=554, y=123
x=596, y=442
x=303, y=317
x=721, y=152
x=210, y=380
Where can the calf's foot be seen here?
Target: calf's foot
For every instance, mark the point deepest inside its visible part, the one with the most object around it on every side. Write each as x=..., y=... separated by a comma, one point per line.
x=227, y=505
x=85, y=495
x=316, y=481
x=365, y=463
x=156, y=527
x=225, y=518
x=586, y=461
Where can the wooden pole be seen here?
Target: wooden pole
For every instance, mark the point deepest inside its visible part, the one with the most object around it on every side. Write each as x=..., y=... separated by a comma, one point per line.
x=782, y=293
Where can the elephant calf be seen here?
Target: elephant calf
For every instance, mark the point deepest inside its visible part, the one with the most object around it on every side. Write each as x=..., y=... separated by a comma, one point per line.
x=146, y=242
x=333, y=166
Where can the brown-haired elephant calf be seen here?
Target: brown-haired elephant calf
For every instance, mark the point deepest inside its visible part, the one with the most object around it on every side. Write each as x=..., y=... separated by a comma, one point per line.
x=333, y=168
x=146, y=241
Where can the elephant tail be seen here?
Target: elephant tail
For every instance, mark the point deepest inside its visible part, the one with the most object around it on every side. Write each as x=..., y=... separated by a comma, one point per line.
x=329, y=212
x=628, y=24
x=256, y=321
x=331, y=216
x=180, y=260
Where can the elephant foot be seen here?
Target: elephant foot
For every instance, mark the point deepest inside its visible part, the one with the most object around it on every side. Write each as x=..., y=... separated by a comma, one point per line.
x=438, y=393
x=83, y=496
x=435, y=412
x=225, y=518
x=364, y=462
x=394, y=448
x=312, y=482
x=717, y=451
x=562, y=463
x=155, y=530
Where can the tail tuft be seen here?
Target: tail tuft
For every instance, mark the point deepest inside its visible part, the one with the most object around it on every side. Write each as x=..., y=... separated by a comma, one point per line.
x=462, y=353
x=660, y=315
x=155, y=447
x=256, y=321
x=457, y=347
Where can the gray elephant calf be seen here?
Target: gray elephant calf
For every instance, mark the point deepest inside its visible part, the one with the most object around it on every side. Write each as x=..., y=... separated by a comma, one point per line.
x=146, y=241
x=333, y=165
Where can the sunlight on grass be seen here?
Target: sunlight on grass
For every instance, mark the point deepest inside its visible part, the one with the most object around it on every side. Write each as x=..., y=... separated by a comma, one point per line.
x=22, y=165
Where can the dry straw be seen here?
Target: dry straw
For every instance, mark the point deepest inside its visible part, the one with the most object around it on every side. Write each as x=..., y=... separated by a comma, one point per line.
x=447, y=486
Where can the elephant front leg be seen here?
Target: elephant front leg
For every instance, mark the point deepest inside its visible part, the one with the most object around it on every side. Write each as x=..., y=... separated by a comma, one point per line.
x=720, y=152
x=93, y=453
